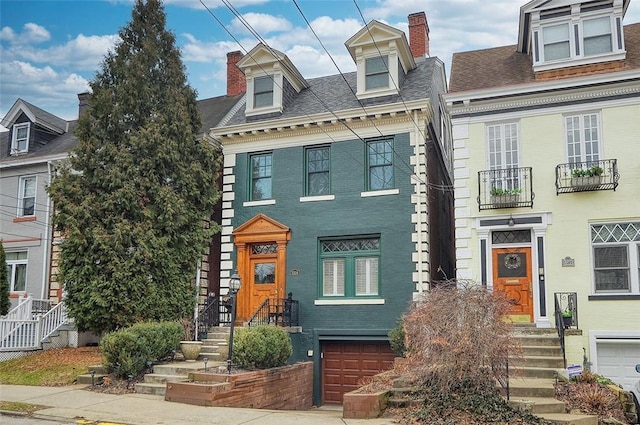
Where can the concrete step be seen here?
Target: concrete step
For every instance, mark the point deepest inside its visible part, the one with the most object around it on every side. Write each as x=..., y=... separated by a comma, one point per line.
x=569, y=419
x=530, y=387
x=544, y=340
x=151, y=388
x=542, y=351
x=156, y=378
x=213, y=356
x=87, y=379
x=537, y=405
x=180, y=368
x=534, y=372
x=538, y=361
x=98, y=369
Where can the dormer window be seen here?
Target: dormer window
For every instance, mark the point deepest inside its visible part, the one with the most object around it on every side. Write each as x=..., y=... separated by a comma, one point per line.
x=377, y=73
x=579, y=34
x=20, y=139
x=263, y=91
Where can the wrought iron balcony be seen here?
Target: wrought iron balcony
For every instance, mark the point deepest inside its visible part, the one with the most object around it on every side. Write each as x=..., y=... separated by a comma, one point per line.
x=505, y=188
x=587, y=176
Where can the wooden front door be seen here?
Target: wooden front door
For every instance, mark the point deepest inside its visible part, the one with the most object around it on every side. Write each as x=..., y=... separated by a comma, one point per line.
x=261, y=245
x=512, y=274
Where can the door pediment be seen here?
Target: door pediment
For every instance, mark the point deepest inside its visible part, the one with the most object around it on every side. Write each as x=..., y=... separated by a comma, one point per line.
x=261, y=229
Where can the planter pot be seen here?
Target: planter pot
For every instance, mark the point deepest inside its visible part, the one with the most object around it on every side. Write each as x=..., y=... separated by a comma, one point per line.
x=586, y=181
x=505, y=201
x=190, y=349
x=567, y=322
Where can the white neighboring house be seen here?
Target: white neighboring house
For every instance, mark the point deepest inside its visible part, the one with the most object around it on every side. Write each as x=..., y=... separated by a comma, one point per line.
x=547, y=175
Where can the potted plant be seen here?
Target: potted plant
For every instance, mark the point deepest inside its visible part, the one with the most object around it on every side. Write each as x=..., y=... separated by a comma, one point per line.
x=586, y=176
x=567, y=318
x=189, y=346
x=505, y=198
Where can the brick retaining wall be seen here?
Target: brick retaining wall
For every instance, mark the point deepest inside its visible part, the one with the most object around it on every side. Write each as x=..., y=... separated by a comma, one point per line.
x=287, y=387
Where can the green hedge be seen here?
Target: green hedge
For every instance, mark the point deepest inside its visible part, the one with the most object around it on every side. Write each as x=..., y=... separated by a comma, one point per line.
x=261, y=347
x=127, y=350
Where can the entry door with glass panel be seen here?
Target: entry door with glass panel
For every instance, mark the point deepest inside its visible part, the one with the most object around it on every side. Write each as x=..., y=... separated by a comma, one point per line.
x=512, y=275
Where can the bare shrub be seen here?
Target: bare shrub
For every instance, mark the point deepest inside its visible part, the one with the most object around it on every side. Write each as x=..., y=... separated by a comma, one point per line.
x=457, y=337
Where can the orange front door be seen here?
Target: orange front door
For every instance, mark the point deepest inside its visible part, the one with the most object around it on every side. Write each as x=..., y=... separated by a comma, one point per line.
x=512, y=275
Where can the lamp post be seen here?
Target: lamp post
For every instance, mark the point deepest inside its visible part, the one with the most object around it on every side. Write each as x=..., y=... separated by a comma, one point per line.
x=234, y=287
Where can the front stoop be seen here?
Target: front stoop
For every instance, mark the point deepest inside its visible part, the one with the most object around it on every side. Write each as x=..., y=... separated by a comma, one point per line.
x=155, y=383
x=99, y=373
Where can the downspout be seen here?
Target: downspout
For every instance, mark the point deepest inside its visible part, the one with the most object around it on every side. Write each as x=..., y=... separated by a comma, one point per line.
x=48, y=240
x=195, y=310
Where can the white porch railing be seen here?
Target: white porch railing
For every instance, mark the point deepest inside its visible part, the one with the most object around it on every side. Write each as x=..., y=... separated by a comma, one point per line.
x=24, y=329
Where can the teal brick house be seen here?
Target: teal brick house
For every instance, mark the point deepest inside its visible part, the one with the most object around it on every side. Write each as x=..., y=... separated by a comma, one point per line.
x=337, y=195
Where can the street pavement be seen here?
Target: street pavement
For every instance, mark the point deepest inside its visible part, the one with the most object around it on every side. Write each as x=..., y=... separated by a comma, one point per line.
x=75, y=405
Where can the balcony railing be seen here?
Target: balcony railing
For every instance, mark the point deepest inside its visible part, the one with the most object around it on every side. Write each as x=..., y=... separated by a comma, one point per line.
x=505, y=188
x=587, y=176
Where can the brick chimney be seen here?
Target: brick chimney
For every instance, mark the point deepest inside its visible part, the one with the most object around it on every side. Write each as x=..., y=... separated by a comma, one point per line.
x=419, y=35
x=236, y=83
x=83, y=102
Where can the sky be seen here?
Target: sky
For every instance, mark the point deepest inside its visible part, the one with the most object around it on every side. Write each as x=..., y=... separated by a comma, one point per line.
x=51, y=49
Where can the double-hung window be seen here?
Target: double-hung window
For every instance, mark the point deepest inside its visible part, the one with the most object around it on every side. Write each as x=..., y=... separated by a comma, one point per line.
x=616, y=257
x=597, y=36
x=556, y=42
x=261, y=168
x=380, y=164
x=17, y=270
x=263, y=91
x=583, y=138
x=27, y=196
x=350, y=267
x=503, y=156
x=317, y=171
x=20, y=138
x=376, y=73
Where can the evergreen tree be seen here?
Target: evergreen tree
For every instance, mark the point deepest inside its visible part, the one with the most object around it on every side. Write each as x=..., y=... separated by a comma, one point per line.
x=133, y=200
x=5, y=302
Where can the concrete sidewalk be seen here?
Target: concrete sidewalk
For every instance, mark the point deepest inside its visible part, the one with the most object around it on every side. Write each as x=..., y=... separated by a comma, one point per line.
x=74, y=402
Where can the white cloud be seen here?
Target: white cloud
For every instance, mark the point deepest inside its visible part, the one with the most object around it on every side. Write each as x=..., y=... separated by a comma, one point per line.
x=212, y=4
x=7, y=34
x=261, y=23
x=34, y=33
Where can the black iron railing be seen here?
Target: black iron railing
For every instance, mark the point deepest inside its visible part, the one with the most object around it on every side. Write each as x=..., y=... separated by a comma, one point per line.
x=279, y=312
x=501, y=374
x=216, y=311
x=505, y=188
x=566, y=315
x=587, y=176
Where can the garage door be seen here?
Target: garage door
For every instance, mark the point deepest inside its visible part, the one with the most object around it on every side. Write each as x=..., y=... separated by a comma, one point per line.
x=617, y=361
x=345, y=364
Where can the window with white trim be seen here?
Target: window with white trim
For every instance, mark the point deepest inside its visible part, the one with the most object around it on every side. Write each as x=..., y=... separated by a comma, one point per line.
x=350, y=267
x=503, y=146
x=576, y=37
x=583, y=137
x=16, y=270
x=20, y=138
x=616, y=257
x=27, y=196
x=263, y=91
x=376, y=72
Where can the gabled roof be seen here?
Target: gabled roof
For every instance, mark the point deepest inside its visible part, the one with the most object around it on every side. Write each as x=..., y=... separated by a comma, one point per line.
x=36, y=115
x=212, y=111
x=263, y=57
x=336, y=95
x=376, y=34
x=505, y=66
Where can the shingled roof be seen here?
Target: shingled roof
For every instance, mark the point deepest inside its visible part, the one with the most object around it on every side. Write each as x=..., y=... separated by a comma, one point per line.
x=504, y=66
x=336, y=95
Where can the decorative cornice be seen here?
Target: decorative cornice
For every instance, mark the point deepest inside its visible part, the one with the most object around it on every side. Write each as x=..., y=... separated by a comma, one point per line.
x=534, y=100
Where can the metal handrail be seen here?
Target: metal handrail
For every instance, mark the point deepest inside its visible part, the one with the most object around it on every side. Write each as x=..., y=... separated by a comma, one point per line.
x=279, y=312
x=209, y=316
x=565, y=302
x=261, y=316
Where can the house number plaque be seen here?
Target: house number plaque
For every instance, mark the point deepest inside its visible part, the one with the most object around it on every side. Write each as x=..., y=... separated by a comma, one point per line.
x=568, y=262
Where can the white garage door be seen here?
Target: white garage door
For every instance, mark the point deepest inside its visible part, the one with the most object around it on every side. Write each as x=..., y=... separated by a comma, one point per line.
x=617, y=361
